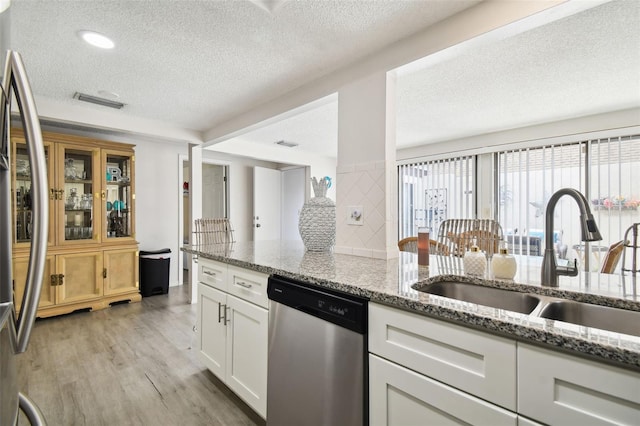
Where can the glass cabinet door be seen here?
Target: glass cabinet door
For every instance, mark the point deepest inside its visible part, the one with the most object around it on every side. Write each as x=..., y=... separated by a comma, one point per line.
x=78, y=170
x=21, y=190
x=118, y=194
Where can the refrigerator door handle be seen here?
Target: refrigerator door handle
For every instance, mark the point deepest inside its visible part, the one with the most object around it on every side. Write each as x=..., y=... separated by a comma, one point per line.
x=15, y=77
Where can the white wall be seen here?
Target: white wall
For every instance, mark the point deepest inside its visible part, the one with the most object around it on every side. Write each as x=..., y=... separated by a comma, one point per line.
x=293, y=198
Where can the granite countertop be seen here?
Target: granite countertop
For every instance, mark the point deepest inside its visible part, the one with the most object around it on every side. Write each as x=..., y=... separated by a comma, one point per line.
x=391, y=282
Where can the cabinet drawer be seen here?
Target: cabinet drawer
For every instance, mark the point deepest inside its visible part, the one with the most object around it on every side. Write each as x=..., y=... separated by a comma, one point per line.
x=556, y=388
x=399, y=396
x=212, y=273
x=475, y=362
x=248, y=285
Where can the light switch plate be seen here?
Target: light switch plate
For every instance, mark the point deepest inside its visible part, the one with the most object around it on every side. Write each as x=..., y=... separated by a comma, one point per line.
x=355, y=215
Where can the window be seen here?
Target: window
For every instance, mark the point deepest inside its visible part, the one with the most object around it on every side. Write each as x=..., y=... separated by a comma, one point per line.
x=603, y=170
x=432, y=191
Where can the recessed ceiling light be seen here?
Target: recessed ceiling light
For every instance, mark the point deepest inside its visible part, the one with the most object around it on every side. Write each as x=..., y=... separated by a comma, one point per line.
x=96, y=39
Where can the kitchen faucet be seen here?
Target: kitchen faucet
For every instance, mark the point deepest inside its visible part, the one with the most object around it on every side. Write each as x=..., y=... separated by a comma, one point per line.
x=590, y=232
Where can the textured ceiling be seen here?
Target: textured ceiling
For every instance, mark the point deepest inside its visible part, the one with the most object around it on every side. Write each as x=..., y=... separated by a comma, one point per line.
x=585, y=64
x=198, y=63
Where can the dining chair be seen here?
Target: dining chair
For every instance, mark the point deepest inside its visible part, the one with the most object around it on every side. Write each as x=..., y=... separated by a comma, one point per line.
x=612, y=257
x=458, y=235
x=213, y=231
x=410, y=244
x=631, y=246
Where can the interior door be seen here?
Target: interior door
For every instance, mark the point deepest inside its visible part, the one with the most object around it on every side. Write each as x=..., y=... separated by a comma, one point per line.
x=267, y=204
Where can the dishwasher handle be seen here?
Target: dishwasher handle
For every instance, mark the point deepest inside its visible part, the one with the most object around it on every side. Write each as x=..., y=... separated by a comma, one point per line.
x=342, y=309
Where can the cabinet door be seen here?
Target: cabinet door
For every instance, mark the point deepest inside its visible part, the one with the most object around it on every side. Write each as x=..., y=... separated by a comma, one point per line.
x=21, y=192
x=247, y=353
x=211, y=330
x=399, y=396
x=118, y=195
x=47, y=294
x=77, y=171
x=556, y=388
x=479, y=363
x=120, y=271
x=82, y=276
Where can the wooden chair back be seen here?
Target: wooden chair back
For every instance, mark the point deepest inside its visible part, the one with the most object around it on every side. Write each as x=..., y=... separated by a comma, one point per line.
x=612, y=257
x=458, y=235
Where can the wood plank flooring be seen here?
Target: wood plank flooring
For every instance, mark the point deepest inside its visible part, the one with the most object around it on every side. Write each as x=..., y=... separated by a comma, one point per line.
x=130, y=364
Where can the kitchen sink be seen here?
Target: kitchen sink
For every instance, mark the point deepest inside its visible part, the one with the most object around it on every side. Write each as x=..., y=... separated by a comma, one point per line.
x=588, y=315
x=487, y=296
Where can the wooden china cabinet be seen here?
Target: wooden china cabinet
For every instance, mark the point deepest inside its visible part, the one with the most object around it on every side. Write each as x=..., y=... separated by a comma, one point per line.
x=92, y=256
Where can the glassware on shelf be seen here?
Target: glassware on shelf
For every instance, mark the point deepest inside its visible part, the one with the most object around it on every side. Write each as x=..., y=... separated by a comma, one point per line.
x=87, y=202
x=22, y=167
x=70, y=171
x=72, y=202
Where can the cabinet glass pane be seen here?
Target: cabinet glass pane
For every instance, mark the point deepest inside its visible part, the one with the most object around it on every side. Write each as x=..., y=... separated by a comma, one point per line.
x=78, y=195
x=118, y=205
x=22, y=201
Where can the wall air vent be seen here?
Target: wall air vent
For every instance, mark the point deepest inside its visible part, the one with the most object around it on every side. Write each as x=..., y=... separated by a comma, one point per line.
x=287, y=144
x=98, y=101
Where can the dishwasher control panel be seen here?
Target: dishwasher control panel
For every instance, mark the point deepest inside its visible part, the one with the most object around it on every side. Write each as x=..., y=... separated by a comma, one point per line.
x=342, y=309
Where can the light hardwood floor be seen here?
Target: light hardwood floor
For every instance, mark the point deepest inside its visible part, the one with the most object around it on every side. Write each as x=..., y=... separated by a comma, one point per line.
x=130, y=364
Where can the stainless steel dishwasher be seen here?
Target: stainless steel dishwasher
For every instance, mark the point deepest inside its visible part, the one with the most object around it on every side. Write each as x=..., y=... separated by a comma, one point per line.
x=317, y=366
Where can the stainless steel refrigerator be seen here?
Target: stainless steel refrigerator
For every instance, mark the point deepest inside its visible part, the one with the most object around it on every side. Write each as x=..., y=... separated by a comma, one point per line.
x=15, y=329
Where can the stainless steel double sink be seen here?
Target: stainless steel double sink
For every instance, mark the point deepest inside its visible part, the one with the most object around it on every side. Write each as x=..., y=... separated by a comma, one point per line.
x=585, y=314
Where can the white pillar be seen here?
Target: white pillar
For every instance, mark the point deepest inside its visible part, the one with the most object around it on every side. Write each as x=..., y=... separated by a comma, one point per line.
x=195, y=209
x=366, y=170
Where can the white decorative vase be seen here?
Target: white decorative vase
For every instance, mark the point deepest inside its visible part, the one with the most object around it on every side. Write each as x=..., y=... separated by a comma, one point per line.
x=317, y=222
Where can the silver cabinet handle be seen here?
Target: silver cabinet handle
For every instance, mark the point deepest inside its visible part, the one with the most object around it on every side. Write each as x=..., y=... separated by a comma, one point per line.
x=244, y=284
x=226, y=318
x=207, y=272
x=220, y=316
x=15, y=77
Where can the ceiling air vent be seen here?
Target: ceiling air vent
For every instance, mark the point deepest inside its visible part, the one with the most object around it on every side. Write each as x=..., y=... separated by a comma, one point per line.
x=98, y=101
x=287, y=144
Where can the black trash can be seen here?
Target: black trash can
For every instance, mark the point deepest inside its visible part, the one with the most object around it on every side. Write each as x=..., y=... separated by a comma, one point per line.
x=154, y=272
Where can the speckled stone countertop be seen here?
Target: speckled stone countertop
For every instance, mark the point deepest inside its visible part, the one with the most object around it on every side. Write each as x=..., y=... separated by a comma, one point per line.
x=392, y=282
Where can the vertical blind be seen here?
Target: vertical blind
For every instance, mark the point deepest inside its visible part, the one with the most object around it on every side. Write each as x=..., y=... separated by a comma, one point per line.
x=604, y=170
x=432, y=191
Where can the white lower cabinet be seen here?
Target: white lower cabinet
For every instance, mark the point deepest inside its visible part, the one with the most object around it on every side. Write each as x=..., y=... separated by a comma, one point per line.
x=557, y=388
x=478, y=363
x=399, y=396
x=427, y=371
x=232, y=336
x=246, y=372
x=212, y=333
x=523, y=421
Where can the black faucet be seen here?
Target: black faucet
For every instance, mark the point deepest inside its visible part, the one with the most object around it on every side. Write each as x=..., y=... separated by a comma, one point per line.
x=590, y=232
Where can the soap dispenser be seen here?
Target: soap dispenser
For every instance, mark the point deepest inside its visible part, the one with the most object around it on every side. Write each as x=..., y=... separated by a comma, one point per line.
x=475, y=263
x=503, y=264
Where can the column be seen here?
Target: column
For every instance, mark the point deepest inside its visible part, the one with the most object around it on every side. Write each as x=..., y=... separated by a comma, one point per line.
x=366, y=187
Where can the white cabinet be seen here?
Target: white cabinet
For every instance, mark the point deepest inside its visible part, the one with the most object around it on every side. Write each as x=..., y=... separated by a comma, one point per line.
x=212, y=332
x=399, y=396
x=557, y=388
x=523, y=421
x=232, y=330
x=475, y=362
x=246, y=372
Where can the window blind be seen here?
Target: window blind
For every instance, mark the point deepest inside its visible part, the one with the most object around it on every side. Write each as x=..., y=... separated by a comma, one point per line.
x=432, y=191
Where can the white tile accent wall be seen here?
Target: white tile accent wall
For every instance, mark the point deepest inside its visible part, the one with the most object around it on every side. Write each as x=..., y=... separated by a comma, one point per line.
x=370, y=185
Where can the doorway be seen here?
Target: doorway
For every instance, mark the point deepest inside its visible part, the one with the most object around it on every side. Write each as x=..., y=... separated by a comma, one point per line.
x=278, y=197
x=214, y=201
